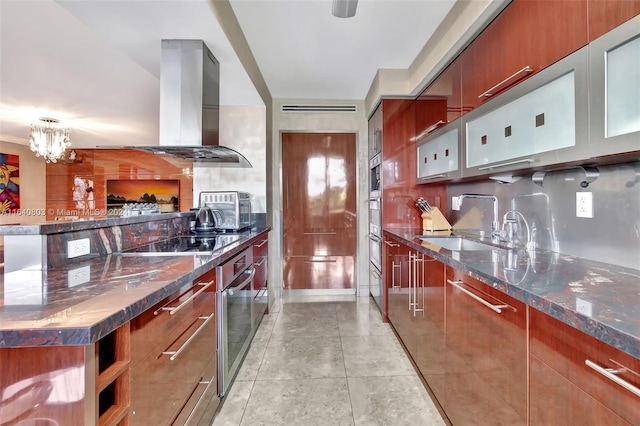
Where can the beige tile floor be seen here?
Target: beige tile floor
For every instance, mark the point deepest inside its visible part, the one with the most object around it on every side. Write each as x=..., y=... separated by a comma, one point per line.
x=327, y=360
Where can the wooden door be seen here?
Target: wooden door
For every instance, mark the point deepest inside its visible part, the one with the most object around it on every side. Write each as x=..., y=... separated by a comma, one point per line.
x=319, y=210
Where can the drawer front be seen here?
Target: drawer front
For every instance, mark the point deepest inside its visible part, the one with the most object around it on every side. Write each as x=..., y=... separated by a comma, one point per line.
x=321, y=242
x=318, y=272
x=177, y=368
x=568, y=351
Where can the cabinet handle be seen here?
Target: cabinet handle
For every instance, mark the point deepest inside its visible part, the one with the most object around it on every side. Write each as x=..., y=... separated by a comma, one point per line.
x=319, y=233
x=211, y=381
x=416, y=270
x=261, y=263
x=175, y=354
x=391, y=244
x=393, y=274
x=186, y=302
x=610, y=374
x=509, y=163
x=432, y=177
x=428, y=130
x=495, y=308
x=371, y=200
x=523, y=71
x=186, y=401
x=263, y=242
x=375, y=238
x=320, y=261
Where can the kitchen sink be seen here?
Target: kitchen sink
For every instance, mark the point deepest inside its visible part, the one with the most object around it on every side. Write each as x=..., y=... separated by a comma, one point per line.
x=456, y=243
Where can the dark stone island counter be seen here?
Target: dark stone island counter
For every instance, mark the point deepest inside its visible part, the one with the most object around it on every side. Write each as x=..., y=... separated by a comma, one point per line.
x=601, y=300
x=78, y=303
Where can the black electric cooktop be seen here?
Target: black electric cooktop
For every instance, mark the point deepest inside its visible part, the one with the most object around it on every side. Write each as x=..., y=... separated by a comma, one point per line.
x=185, y=244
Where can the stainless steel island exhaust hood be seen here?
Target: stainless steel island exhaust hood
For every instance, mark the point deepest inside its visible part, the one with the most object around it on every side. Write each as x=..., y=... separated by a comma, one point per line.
x=189, y=106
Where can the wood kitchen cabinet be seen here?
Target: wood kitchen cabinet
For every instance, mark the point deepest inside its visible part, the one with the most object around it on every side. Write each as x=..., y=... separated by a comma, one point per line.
x=485, y=373
x=174, y=357
x=416, y=309
x=569, y=383
x=67, y=385
x=441, y=102
x=319, y=210
x=526, y=37
x=605, y=15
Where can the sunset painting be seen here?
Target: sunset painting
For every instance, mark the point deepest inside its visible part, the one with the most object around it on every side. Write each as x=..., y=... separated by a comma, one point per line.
x=165, y=193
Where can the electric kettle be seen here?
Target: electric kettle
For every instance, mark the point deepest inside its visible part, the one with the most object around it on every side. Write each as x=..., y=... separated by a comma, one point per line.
x=205, y=220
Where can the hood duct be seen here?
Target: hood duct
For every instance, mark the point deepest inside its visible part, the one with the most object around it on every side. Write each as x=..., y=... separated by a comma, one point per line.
x=190, y=106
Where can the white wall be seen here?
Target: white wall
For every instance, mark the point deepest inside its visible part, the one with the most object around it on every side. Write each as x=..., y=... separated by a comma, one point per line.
x=322, y=122
x=242, y=128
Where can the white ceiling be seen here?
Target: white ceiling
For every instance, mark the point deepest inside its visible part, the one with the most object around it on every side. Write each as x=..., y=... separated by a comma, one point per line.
x=95, y=65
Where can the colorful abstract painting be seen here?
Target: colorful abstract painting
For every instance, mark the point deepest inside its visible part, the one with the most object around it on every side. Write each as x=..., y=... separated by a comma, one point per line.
x=164, y=192
x=9, y=183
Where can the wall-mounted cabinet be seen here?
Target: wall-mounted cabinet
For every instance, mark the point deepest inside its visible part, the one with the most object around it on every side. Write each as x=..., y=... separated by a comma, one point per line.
x=614, y=90
x=525, y=38
x=540, y=122
x=438, y=155
x=605, y=15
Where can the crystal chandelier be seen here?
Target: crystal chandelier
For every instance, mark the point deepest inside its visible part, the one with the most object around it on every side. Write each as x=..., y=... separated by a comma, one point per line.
x=48, y=141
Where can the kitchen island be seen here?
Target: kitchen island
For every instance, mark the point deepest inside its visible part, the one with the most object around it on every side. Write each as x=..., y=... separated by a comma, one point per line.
x=515, y=335
x=71, y=335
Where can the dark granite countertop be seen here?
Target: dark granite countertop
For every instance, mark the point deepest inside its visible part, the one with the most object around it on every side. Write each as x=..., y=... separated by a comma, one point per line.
x=600, y=299
x=45, y=308
x=59, y=226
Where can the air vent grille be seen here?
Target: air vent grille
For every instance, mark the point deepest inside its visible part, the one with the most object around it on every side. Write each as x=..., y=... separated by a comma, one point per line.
x=319, y=108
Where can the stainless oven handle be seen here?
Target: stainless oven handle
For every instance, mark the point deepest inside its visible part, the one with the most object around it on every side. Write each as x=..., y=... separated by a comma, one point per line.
x=175, y=354
x=244, y=283
x=186, y=302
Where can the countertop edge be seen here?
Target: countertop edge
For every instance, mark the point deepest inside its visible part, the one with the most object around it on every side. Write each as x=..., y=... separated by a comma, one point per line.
x=80, y=336
x=618, y=339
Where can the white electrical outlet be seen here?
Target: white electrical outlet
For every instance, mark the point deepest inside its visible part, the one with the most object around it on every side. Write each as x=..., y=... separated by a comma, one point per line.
x=584, y=307
x=584, y=204
x=455, y=203
x=79, y=276
x=77, y=248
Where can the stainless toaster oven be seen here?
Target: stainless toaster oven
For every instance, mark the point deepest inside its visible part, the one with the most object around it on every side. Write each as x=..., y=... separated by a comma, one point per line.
x=234, y=208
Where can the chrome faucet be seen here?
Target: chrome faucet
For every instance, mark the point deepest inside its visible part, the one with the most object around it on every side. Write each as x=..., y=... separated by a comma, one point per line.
x=495, y=224
x=509, y=233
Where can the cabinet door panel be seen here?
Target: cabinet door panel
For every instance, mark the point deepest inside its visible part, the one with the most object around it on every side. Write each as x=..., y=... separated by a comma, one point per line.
x=320, y=242
x=566, y=350
x=438, y=157
x=555, y=400
x=528, y=33
x=318, y=272
x=605, y=15
x=491, y=381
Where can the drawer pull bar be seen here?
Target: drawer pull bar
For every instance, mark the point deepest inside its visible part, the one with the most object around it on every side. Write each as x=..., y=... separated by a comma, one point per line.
x=261, y=263
x=432, y=177
x=523, y=71
x=320, y=261
x=186, y=401
x=176, y=354
x=211, y=381
x=610, y=374
x=263, y=242
x=186, y=302
x=319, y=233
x=426, y=131
x=374, y=237
x=391, y=244
x=495, y=308
x=509, y=163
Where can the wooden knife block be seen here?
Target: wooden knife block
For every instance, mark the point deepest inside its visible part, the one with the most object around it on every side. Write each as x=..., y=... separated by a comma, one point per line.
x=435, y=221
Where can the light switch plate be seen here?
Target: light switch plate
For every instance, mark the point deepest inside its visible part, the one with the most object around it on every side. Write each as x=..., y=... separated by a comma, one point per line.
x=584, y=204
x=455, y=203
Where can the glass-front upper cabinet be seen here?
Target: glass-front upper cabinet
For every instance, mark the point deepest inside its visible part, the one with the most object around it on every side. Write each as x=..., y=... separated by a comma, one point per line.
x=614, y=86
